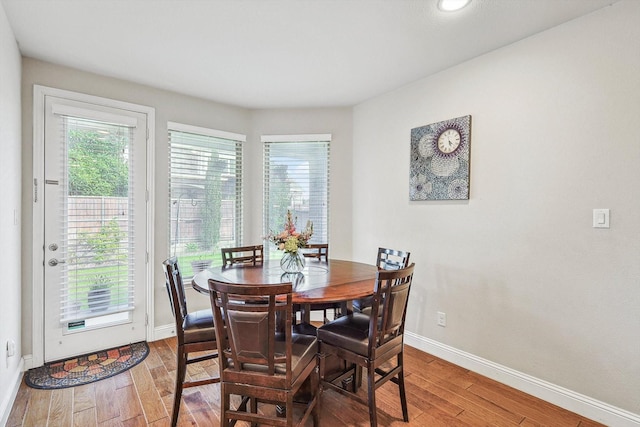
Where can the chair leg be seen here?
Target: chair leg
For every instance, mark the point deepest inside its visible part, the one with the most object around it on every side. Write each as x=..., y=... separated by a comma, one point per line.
x=315, y=386
x=321, y=367
x=177, y=395
x=403, y=396
x=224, y=406
x=371, y=386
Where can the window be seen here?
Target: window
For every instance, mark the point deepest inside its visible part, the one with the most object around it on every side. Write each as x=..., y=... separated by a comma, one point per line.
x=205, y=194
x=96, y=217
x=296, y=178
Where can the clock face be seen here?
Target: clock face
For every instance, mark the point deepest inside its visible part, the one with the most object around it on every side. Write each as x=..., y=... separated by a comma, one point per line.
x=449, y=141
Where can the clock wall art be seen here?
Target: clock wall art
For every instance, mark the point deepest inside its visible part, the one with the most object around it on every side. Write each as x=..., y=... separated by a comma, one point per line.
x=440, y=155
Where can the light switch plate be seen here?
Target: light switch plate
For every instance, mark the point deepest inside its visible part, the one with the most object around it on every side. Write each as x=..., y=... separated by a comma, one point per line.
x=601, y=218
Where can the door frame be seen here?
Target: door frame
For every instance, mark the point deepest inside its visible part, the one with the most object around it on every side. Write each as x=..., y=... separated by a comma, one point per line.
x=38, y=255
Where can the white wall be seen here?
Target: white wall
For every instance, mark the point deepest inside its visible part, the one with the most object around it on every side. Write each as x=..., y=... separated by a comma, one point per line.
x=524, y=279
x=10, y=221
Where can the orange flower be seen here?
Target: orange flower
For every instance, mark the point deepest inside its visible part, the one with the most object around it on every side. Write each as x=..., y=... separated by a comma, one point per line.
x=289, y=235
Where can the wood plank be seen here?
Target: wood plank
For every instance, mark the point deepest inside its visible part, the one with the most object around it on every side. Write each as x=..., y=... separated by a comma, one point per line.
x=85, y=418
x=149, y=396
x=211, y=393
x=464, y=399
x=584, y=422
x=527, y=406
x=113, y=422
x=203, y=414
x=38, y=408
x=433, y=417
x=163, y=422
x=421, y=395
x=128, y=403
x=19, y=409
x=447, y=371
x=153, y=358
x=123, y=380
x=59, y=413
x=419, y=360
x=184, y=417
x=388, y=403
x=138, y=421
x=349, y=412
x=84, y=397
x=167, y=353
x=106, y=408
x=475, y=420
x=163, y=381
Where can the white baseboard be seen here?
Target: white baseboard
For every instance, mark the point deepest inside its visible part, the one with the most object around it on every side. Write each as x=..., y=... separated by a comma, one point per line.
x=12, y=388
x=560, y=396
x=164, y=331
x=27, y=360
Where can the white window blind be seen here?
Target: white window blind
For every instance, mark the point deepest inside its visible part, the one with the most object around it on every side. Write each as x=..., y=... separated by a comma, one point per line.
x=205, y=193
x=96, y=221
x=296, y=178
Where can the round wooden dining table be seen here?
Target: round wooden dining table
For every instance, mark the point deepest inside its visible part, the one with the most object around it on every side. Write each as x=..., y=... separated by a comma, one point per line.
x=333, y=281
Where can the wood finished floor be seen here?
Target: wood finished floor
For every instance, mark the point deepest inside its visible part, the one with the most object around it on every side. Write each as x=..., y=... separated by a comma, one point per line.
x=438, y=394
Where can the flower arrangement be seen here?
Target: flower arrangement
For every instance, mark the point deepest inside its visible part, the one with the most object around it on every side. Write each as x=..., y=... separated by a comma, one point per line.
x=290, y=240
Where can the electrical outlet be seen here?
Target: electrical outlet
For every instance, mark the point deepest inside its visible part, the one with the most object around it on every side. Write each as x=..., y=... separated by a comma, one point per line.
x=442, y=319
x=11, y=348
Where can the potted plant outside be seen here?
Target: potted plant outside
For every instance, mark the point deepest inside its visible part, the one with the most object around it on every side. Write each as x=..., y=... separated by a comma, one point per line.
x=99, y=295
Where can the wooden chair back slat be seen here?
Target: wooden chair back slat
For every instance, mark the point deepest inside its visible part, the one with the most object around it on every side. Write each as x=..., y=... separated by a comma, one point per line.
x=243, y=255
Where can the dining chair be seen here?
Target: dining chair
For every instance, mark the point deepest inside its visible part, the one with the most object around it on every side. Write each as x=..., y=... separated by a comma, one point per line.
x=320, y=251
x=263, y=361
x=371, y=341
x=243, y=255
x=388, y=259
x=195, y=333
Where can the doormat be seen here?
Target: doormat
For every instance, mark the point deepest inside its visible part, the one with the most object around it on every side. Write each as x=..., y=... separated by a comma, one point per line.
x=87, y=368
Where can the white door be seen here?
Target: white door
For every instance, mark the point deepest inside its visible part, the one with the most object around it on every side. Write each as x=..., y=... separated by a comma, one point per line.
x=94, y=227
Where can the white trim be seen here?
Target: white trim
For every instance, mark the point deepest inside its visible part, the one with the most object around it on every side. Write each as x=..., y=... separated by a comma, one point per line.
x=28, y=362
x=13, y=386
x=39, y=94
x=37, y=198
x=180, y=127
x=151, y=214
x=164, y=331
x=100, y=116
x=560, y=396
x=323, y=137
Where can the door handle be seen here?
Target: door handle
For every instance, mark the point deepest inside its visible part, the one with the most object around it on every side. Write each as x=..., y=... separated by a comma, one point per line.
x=53, y=262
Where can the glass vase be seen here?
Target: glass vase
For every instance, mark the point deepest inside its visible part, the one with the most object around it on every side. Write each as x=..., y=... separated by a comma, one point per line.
x=292, y=262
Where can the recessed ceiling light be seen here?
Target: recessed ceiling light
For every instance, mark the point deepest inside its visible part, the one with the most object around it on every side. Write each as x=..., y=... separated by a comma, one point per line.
x=452, y=5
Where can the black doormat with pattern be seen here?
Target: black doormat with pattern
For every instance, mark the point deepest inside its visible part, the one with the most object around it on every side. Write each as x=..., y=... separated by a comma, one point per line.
x=87, y=368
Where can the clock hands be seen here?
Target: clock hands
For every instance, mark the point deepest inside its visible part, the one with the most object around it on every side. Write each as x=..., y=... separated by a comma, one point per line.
x=449, y=141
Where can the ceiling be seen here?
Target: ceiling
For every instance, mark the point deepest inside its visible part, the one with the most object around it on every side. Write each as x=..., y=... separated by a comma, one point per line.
x=276, y=53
